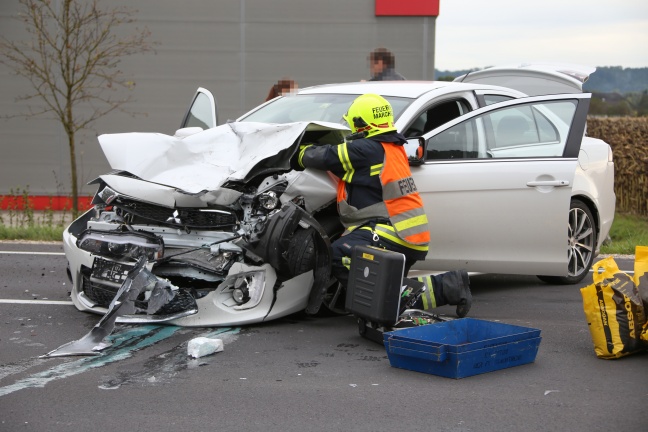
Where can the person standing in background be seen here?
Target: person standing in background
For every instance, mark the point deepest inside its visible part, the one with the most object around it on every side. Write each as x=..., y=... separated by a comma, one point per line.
x=281, y=88
x=382, y=66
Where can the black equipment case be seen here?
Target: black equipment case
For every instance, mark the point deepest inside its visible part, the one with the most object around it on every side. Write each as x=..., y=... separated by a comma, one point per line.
x=375, y=281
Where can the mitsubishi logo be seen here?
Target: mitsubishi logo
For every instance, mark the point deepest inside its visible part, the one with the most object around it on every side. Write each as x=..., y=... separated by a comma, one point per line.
x=175, y=219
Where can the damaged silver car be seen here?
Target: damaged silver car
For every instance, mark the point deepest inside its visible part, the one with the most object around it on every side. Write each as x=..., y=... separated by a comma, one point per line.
x=230, y=232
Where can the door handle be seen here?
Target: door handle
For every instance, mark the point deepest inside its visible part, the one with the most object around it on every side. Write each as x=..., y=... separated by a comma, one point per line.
x=555, y=183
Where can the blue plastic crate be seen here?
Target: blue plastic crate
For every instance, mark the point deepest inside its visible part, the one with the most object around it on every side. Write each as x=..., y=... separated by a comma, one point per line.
x=462, y=347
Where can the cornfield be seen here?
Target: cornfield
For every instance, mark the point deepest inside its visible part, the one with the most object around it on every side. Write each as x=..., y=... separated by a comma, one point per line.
x=628, y=137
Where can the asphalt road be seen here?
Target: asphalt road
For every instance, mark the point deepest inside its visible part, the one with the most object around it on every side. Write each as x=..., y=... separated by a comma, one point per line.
x=299, y=373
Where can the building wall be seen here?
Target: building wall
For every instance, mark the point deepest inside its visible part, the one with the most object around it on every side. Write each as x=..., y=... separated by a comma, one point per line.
x=235, y=48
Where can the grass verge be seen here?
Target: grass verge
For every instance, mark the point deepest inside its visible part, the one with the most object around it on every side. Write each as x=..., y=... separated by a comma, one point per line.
x=627, y=232
x=33, y=232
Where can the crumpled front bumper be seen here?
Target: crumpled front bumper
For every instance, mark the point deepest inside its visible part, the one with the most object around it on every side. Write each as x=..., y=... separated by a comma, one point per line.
x=217, y=308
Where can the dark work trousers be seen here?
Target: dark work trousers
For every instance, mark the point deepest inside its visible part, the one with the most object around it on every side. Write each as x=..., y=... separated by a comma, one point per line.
x=343, y=249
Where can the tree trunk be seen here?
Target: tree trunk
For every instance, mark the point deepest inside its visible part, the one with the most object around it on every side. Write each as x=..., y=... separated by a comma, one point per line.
x=68, y=123
x=73, y=175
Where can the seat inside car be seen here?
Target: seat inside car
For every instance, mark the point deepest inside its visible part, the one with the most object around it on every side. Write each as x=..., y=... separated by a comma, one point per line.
x=512, y=130
x=440, y=114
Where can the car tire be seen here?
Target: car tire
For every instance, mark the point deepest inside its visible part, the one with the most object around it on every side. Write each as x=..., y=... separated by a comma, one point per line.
x=301, y=257
x=581, y=245
x=335, y=297
x=334, y=300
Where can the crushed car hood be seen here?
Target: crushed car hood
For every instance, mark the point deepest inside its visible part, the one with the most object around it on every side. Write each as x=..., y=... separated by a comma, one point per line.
x=206, y=160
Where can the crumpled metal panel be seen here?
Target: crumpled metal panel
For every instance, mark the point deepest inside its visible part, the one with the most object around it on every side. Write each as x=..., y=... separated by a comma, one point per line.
x=139, y=278
x=319, y=188
x=203, y=161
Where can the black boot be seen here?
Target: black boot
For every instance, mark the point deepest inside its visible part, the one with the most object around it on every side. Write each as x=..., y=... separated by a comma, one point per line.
x=450, y=288
x=455, y=290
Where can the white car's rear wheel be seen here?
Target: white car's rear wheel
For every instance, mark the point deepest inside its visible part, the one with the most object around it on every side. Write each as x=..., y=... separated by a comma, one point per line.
x=581, y=245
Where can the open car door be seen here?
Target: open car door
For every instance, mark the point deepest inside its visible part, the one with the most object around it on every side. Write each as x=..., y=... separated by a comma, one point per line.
x=202, y=111
x=497, y=182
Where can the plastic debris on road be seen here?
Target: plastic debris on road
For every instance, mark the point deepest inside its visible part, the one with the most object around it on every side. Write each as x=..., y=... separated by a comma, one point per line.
x=203, y=346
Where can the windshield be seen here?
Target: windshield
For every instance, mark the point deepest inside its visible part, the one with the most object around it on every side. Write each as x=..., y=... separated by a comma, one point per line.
x=314, y=107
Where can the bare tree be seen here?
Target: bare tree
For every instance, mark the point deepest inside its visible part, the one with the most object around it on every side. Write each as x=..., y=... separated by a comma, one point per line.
x=71, y=60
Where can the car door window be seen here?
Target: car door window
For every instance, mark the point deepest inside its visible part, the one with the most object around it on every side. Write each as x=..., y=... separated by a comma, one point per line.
x=202, y=112
x=435, y=116
x=490, y=99
x=529, y=130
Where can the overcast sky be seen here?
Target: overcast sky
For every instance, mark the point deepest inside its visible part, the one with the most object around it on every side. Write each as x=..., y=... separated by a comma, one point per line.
x=480, y=33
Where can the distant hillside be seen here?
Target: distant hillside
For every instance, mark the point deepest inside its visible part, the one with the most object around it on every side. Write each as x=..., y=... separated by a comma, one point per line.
x=606, y=79
x=615, y=79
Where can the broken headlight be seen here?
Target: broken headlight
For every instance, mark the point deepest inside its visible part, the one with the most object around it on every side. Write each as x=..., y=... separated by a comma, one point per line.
x=247, y=289
x=241, y=291
x=268, y=200
x=121, y=244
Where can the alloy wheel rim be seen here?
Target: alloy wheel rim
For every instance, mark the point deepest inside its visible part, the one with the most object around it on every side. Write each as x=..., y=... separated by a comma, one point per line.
x=580, y=241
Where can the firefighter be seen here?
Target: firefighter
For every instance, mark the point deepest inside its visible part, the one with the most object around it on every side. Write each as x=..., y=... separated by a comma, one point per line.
x=377, y=199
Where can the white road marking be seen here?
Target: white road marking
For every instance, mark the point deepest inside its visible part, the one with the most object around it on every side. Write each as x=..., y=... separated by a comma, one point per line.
x=40, y=302
x=30, y=253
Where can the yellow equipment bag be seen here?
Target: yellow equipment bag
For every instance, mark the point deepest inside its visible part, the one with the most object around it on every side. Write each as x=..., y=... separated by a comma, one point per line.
x=614, y=311
x=641, y=280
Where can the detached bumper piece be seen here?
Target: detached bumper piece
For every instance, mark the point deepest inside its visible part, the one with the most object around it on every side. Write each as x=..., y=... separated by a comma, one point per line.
x=102, y=284
x=139, y=281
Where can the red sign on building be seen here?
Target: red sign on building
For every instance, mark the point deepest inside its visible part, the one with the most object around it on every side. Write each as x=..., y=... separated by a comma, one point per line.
x=407, y=7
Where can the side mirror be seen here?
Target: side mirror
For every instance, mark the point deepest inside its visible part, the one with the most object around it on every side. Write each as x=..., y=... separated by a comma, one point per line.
x=415, y=150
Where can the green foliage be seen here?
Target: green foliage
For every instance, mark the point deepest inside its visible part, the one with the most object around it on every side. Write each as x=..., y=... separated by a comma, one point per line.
x=627, y=232
x=445, y=78
x=34, y=232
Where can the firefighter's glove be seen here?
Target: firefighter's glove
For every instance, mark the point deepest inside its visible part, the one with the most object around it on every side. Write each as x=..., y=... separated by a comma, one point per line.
x=296, y=162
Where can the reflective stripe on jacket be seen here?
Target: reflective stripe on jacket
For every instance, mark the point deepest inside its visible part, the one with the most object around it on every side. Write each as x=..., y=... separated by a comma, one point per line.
x=401, y=203
x=375, y=185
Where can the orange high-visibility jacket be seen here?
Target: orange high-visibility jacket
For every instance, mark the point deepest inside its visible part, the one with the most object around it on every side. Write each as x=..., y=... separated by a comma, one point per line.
x=375, y=185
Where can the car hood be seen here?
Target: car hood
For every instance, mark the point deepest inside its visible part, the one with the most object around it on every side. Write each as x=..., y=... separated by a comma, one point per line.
x=537, y=79
x=206, y=160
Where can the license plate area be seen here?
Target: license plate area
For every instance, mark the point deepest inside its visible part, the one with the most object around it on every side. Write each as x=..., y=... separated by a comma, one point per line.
x=110, y=271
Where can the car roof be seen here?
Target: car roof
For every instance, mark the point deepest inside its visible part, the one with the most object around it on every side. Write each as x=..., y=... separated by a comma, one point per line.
x=408, y=89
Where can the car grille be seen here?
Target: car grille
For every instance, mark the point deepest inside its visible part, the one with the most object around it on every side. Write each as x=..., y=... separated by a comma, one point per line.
x=189, y=218
x=102, y=295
